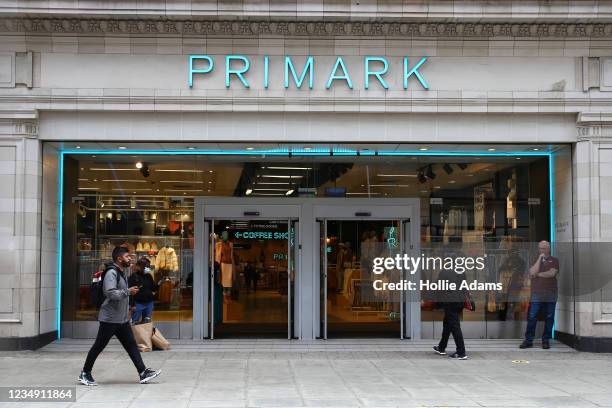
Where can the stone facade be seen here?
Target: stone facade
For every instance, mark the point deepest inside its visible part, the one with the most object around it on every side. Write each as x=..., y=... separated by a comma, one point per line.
x=499, y=72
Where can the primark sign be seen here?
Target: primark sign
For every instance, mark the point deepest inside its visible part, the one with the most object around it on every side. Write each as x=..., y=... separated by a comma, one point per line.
x=238, y=71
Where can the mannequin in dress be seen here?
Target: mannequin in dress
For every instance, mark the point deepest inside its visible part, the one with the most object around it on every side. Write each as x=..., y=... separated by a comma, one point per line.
x=224, y=255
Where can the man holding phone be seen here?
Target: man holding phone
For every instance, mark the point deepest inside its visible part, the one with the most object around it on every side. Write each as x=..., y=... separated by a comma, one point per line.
x=114, y=319
x=543, y=274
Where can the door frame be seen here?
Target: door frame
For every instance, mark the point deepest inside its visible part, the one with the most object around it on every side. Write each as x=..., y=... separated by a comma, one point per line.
x=226, y=208
x=305, y=210
x=404, y=210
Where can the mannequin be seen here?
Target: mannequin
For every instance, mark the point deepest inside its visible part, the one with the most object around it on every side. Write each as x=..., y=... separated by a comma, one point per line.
x=224, y=255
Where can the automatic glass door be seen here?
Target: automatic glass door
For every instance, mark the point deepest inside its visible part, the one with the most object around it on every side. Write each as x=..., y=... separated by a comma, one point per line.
x=251, y=275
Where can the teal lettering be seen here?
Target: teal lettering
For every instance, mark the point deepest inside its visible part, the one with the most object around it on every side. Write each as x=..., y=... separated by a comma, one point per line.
x=192, y=70
x=308, y=67
x=333, y=76
x=377, y=74
x=238, y=72
x=414, y=71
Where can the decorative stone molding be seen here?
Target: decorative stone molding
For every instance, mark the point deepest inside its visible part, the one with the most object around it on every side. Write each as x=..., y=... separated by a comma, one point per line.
x=596, y=127
x=303, y=28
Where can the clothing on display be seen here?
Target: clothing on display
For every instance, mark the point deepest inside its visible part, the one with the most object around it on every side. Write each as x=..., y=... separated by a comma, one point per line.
x=224, y=257
x=167, y=260
x=455, y=223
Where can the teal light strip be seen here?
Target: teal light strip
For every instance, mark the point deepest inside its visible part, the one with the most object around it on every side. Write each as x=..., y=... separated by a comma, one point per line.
x=59, y=245
x=281, y=152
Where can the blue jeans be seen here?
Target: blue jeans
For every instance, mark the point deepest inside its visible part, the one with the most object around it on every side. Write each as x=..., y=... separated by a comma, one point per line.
x=143, y=310
x=532, y=319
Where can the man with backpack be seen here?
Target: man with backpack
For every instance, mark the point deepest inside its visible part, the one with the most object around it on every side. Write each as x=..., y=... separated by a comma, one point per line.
x=114, y=319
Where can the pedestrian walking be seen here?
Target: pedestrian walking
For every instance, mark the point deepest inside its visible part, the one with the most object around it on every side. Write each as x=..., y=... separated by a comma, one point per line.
x=114, y=319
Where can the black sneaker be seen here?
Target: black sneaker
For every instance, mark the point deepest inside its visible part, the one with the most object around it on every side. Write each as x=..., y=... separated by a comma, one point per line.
x=526, y=344
x=148, y=374
x=545, y=345
x=458, y=356
x=440, y=352
x=86, y=379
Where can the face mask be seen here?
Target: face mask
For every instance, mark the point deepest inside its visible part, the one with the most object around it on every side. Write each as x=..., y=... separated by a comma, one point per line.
x=147, y=270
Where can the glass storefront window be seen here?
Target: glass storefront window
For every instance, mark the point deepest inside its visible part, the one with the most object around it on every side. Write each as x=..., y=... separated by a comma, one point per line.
x=146, y=202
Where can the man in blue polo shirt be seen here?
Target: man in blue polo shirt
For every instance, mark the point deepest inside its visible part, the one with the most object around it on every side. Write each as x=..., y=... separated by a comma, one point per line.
x=543, y=274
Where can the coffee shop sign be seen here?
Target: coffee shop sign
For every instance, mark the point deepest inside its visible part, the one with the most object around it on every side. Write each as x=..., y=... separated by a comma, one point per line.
x=374, y=71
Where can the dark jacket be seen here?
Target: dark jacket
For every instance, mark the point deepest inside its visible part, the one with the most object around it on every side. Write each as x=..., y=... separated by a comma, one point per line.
x=147, y=287
x=452, y=299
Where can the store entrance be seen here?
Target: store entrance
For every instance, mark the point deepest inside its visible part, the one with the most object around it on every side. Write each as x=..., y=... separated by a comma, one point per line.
x=252, y=263
x=350, y=306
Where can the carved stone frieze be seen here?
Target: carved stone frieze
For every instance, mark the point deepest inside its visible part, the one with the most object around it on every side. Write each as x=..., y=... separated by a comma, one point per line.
x=304, y=28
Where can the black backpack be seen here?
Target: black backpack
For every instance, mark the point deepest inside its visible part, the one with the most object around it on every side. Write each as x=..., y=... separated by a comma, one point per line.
x=96, y=289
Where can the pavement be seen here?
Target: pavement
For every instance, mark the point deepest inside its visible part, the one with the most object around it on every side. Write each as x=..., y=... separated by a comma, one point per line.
x=331, y=373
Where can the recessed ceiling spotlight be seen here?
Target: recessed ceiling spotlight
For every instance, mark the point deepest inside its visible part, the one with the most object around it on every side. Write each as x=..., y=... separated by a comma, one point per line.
x=518, y=158
x=121, y=147
x=77, y=147
x=190, y=148
x=139, y=165
x=250, y=148
x=491, y=149
x=535, y=149
x=210, y=171
x=423, y=149
x=248, y=191
x=307, y=148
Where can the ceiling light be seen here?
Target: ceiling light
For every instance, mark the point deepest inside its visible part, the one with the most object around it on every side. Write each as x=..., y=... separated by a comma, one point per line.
x=491, y=149
x=179, y=171
x=535, y=149
x=250, y=148
x=182, y=181
x=77, y=147
x=451, y=182
x=274, y=183
x=423, y=149
x=88, y=188
x=396, y=175
x=124, y=181
x=139, y=165
x=279, y=176
x=210, y=171
x=248, y=191
x=389, y=185
x=94, y=156
x=110, y=169
x=289, y=192
x=448, y=168
x=121, y=147
x=133, y=202
x=287, y=168
x=307, y=148
x=190, y=148
x=518, y=158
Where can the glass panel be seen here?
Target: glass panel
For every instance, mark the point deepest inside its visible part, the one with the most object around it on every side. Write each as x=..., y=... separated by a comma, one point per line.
x=251, y=278
x=354, y=308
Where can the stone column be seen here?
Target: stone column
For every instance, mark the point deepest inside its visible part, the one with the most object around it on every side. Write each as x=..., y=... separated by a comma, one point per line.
x=22, y=304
